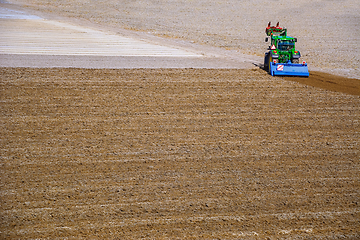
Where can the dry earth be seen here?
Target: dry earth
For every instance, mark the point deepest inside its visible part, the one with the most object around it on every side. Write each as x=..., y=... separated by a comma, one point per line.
x=176, y=154
x=328, y=31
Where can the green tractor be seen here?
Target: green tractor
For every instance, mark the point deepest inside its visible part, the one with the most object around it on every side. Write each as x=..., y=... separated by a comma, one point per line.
x=282, y=58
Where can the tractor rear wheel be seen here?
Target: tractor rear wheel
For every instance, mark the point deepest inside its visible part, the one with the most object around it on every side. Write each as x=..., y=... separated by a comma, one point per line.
x=266, y=62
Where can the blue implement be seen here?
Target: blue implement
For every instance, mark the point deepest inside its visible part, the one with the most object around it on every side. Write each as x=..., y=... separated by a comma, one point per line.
x=289, y=69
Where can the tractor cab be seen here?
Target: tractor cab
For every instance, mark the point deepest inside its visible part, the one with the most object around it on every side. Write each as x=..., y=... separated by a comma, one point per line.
x=286, y=45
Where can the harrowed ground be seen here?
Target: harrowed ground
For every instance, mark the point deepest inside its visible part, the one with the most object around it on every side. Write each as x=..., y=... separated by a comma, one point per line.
x=176, y=153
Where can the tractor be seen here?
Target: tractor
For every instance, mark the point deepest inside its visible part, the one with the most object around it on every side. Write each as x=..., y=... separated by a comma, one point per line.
x=282, y=58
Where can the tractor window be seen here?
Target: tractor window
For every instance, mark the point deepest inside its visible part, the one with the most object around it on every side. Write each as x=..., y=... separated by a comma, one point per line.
x=286, y=45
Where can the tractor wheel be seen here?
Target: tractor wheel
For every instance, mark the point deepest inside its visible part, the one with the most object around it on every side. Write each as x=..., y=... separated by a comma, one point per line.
x=266, y=62
x=295, y=60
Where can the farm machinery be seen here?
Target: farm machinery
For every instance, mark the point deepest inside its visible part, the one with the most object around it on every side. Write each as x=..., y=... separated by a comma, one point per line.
x=283, y=59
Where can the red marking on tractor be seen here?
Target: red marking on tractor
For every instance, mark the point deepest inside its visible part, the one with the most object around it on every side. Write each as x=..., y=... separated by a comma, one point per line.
x=280, y=68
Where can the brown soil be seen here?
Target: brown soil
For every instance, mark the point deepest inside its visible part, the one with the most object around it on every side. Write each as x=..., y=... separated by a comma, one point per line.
x=167, y=154
x=330, y=82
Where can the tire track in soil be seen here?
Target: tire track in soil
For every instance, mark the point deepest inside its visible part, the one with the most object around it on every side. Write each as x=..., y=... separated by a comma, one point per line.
x=176, y=153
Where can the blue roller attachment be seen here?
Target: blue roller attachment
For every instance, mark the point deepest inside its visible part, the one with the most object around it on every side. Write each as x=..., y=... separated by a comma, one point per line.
x=289, y=69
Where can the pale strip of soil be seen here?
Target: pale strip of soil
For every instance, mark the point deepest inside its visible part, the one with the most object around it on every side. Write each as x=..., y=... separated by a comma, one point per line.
x=327, y=31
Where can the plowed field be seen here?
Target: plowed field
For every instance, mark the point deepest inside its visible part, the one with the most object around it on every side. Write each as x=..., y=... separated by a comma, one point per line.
x=176, y=153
